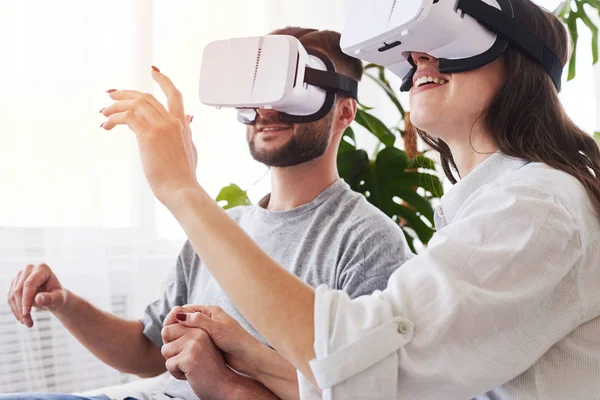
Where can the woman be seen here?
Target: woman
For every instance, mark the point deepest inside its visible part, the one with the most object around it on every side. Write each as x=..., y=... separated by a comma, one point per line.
x=504, y=301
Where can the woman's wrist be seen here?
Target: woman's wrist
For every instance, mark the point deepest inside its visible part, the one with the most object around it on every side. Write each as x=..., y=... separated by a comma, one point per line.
x=270, y=366
x=243, y=388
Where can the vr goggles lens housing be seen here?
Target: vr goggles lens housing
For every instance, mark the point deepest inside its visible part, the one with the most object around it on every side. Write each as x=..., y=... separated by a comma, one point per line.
x=462, y=34
x=271, y=72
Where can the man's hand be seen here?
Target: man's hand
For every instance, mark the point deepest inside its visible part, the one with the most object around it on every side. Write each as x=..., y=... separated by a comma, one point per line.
x=191, y=355
x=168, y=154
x=238, y=345
x=35, y=286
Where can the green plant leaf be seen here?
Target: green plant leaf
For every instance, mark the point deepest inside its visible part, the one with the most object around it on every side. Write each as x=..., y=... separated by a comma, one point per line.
x=569, y=12
x=562, y=9
x=597, y=136
x=388, y=91
x=423, y=231
x=354, y=166
x=363, y=107
x=421, y=162
x=389, y=185
x=430, y=183
x=410, y=240
x=391, y=158
x=370, y=66
x=572, y=27
x=594, y=3
x=410, y=196
x=586, y=20
x=234, y=196
x=376, y=127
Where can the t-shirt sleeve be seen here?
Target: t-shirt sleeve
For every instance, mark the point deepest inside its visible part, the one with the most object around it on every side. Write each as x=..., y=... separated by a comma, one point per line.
x=376, y=248
x=175, y=294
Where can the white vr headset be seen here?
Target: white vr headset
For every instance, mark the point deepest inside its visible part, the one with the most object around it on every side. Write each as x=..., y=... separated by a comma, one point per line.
x=271, y=72
x=462, y=34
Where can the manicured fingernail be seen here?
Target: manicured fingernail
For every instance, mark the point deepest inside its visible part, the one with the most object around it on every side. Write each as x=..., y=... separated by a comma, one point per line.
x=111, y=90
x=102, y=110
x=181, y=317
x=156, y=69
x=42, y=298
x=102, y=126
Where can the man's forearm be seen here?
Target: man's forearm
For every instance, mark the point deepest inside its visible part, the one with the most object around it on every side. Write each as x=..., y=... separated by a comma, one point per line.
x=248, y=388
x=118, y=342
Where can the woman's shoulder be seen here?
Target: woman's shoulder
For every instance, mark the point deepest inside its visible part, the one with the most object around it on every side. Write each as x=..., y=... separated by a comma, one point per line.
x=559, y=184
x=567, y=191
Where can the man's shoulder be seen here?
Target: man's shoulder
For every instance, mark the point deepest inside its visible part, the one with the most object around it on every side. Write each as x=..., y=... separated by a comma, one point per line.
x=363, y=216
x=188, y=255
x=237, y=213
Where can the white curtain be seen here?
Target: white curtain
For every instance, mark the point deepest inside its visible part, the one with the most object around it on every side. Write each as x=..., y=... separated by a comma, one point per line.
x=73, y=196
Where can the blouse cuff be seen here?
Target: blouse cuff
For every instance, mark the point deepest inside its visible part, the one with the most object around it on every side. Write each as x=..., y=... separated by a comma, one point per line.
x=369, y=334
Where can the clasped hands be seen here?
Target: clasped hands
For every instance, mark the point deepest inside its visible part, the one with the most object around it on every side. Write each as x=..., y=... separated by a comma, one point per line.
x=202, y=344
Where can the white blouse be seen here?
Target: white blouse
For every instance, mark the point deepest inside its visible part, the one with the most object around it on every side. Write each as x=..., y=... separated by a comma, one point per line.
x=504, y=303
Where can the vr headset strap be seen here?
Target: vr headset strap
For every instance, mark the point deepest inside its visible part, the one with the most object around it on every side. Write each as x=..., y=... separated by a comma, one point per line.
x=331, y=82
x=508, y=27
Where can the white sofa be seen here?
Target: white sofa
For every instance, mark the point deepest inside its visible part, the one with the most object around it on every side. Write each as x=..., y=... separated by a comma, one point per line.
x=119, y=392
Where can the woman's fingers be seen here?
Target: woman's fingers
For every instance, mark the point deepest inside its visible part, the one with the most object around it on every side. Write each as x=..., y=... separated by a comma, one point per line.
x=119, y=106
x=129, y=118
x=174, y=97
x=135, y=95
x=197, y=320
x=170, y=319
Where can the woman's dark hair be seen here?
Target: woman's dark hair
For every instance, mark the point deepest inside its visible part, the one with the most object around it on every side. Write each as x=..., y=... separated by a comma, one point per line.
x=526, y=120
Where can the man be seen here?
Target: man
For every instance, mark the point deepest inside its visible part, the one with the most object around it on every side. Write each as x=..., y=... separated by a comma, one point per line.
x=312, y=222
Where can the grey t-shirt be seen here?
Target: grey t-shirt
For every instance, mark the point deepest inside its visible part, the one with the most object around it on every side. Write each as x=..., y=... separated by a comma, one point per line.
x=338, y=239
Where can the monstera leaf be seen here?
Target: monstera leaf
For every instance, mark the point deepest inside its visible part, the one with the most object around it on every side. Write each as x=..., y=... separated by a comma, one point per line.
x=376, y=127
x=390, y=182
x=380, y=79
x=233, y=196
x=569, y=11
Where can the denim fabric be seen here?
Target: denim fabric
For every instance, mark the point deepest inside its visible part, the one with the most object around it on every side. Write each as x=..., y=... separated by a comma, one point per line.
x=48, y=396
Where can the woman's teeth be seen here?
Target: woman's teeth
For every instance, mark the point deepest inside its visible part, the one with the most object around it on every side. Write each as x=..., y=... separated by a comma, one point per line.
x=429, y=79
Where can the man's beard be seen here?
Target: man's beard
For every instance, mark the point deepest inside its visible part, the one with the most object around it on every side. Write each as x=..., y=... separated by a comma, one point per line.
x=309, y=141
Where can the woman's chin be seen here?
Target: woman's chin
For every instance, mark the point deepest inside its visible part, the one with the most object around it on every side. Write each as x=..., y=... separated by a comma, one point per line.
x=424, y=120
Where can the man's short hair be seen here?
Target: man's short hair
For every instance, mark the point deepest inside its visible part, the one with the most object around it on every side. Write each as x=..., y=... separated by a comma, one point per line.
x=327, y=42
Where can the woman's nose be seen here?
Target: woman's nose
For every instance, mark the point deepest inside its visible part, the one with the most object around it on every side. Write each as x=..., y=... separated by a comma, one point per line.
x=422, y=58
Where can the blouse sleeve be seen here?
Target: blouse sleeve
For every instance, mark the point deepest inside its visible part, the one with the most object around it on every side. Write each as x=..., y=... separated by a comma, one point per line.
x=493, y=292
